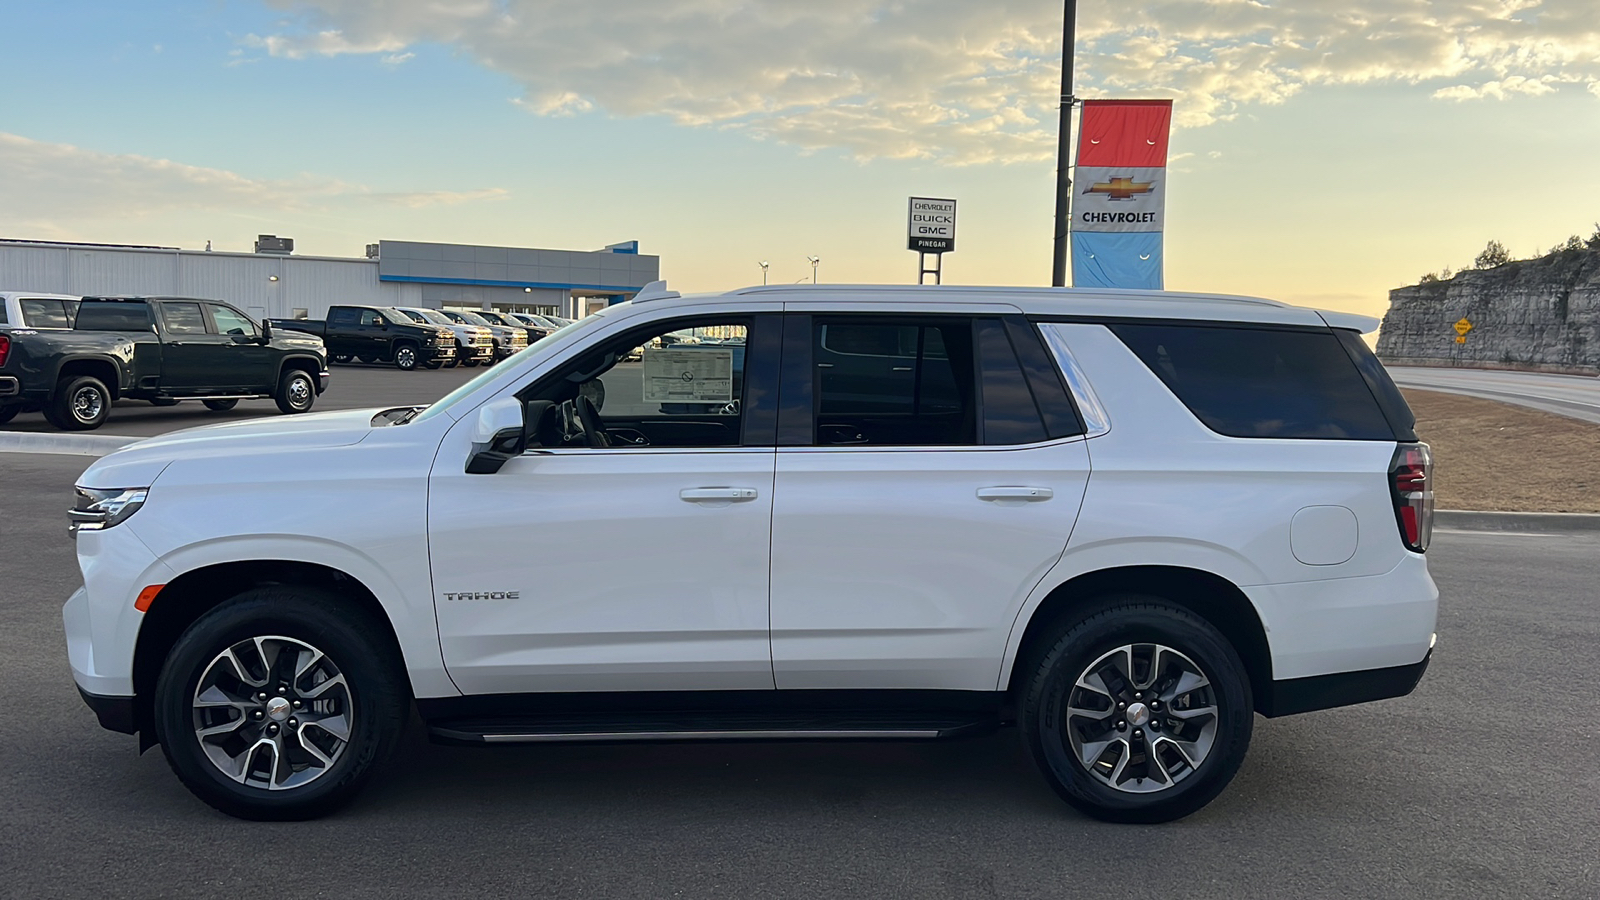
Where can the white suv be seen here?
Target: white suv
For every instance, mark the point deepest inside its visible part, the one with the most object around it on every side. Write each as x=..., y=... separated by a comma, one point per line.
x=1124, y=522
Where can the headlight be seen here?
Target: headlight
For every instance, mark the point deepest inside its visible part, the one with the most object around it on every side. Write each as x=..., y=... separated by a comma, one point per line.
x=98, y=509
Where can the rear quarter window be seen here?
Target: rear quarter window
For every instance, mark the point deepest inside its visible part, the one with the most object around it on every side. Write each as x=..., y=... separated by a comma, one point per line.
x=1262, y=382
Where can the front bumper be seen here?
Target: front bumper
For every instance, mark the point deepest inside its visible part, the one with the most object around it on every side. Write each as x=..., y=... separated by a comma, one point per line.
x=115, y=713
x=440, y=353
x=1299, y=695
x=322, y=382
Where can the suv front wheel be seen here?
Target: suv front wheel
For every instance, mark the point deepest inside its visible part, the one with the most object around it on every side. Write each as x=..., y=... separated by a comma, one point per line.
x=279, y=704
x=1137, y=711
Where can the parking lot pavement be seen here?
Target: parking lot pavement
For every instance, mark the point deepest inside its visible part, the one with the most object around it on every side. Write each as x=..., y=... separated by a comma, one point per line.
x=1482, y=784
x=353, y=386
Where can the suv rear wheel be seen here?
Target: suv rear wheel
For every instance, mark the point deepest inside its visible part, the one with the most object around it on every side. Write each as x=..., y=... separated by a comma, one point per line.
x=279, y=704
x=1137, y=711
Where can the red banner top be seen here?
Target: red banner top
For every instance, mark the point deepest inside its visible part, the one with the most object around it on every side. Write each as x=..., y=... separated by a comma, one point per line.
x=1124, y=132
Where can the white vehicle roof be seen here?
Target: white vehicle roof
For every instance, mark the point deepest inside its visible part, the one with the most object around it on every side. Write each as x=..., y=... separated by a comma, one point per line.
x=37, y=295
x=1045, y=301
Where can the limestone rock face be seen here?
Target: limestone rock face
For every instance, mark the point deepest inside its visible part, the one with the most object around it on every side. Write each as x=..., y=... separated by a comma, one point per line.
x=1537, y=313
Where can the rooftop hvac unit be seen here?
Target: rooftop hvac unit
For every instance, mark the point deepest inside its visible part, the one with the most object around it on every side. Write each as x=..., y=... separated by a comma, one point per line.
x=274, y=245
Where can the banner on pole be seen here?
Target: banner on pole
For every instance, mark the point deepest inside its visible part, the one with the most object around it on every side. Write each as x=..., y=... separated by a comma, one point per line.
x=1119, y=193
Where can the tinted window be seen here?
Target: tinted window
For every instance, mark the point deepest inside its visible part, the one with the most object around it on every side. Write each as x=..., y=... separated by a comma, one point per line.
x=1383, y=387
x=343, y=316
x=371, y=317
x=184, y=318
x=37, y=313
x=894, y=383
x=231, y=321
x=108, y=315
x=1009, y=413
x=1261, y=382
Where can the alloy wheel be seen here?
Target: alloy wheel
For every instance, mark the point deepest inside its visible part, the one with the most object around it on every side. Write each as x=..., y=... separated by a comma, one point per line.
x=1141, y=718
x=87, y=404
x=273, y=712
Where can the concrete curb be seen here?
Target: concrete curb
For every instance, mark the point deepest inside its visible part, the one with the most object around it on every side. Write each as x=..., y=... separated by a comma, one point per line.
x=1483, y=520
x=68, y=444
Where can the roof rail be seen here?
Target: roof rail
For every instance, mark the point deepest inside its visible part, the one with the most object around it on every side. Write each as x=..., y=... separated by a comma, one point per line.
x=1133, y=294
x=655, y=290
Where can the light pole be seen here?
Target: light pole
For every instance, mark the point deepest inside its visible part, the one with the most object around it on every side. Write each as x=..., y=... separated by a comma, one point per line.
x=763, y=264
x=814, y=261
x=1058, y=261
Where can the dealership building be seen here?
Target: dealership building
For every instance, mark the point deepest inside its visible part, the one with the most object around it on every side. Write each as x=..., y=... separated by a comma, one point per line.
x=275, y=282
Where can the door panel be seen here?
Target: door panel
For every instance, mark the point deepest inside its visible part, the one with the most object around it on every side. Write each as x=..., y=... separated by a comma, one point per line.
x=634, y=569
x=246, y=365
x=890, y=571
x=191, y=356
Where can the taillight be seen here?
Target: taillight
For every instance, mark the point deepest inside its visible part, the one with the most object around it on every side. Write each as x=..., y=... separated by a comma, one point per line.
x=1411, y=484
x=5, y=348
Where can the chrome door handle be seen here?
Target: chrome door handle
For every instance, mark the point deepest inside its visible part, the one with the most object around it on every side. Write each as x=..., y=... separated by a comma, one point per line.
x=901, y=369
x=1026, y=494
x=717, y=494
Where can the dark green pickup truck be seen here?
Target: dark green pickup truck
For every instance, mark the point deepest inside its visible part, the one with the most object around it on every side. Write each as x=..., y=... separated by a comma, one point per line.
x=160, y=349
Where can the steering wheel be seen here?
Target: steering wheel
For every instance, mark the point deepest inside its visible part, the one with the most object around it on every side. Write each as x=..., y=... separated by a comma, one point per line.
x=594, y=429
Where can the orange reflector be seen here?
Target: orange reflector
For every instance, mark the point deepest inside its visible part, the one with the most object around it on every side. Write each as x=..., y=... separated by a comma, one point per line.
x=146, y=597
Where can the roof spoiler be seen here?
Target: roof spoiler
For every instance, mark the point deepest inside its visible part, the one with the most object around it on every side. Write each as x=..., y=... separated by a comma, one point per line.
x=1352, y=321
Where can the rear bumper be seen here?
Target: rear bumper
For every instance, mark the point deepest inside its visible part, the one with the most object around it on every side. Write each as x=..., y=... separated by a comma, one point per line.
x=1299, y=695
x=114, y=713
x=9, y=386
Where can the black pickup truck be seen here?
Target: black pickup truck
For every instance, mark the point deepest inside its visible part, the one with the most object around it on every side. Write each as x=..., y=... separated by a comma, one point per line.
x=160, y=349
x=378, y=334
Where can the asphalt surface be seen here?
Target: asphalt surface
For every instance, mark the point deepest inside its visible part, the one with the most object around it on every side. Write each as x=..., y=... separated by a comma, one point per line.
x=1481, y=784
x=353, y=386
x=1577, y=396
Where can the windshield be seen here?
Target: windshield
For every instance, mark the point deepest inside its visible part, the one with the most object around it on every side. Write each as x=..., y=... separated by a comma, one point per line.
x=473, y=318
x=395, y=316
x=486, y=375
x=414, y=315
x=432, y=315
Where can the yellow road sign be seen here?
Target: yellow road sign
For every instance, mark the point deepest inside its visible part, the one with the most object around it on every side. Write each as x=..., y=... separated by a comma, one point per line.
x=1462, y=327
x=1462, y=339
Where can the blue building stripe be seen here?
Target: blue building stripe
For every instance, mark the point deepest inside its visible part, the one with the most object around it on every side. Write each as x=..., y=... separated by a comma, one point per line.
x=483, y=282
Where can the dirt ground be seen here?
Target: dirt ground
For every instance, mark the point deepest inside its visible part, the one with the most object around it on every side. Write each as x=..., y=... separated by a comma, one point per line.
x=1491, y=455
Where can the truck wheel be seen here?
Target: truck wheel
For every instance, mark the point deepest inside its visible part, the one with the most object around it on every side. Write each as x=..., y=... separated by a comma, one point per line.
x=220, y=405
x=280, y=703
x=1137, y=710
x=80, y=403
x=434, y=364
x=296, y=392
x=470, y=362
x=341, y=358
x=405, y=357
x=7, y=413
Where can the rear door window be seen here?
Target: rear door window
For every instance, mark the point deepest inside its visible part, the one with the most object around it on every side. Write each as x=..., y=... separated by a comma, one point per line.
x=183, y=318
x=894, y=383
x=112, y=315
x=45, y=313
x=343, y=316
x=1261, y=382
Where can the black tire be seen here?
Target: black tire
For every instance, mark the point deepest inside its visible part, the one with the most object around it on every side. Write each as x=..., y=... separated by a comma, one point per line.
x=7, y=413
x=220, y=405
x=432, y=364
x=366, y=359
x=469, y=363
x=79, y=403
x=405, y=357
x=341, y=358
x=297, y=390
x=375, y=708
x=1077, y=642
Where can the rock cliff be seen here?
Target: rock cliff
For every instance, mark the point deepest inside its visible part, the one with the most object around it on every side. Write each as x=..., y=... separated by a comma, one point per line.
x=1536, y=314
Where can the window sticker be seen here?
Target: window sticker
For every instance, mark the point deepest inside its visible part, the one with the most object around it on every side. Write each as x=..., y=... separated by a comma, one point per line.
x=700, y=375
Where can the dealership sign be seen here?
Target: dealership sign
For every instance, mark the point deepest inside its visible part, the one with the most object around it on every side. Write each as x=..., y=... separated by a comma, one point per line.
x=1119, y=198
x=932, y=225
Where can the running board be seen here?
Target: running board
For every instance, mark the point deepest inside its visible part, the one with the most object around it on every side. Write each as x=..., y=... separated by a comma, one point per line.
x=742, y=726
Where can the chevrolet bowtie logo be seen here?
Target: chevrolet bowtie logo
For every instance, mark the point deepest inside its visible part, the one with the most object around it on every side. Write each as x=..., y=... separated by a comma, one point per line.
x=1120, y=188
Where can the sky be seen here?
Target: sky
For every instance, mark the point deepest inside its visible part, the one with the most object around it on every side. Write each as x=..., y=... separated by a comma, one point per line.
x=1323, y=152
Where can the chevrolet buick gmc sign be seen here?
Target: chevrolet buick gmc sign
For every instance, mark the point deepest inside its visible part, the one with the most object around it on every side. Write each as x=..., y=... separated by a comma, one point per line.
x=932, y=228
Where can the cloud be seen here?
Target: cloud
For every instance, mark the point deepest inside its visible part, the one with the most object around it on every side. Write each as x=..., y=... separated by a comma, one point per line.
x=952, y=80
x=47, y=183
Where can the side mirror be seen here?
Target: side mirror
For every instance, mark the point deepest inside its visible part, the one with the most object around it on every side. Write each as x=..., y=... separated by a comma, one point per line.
x=266, y=331
x=499, y=435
